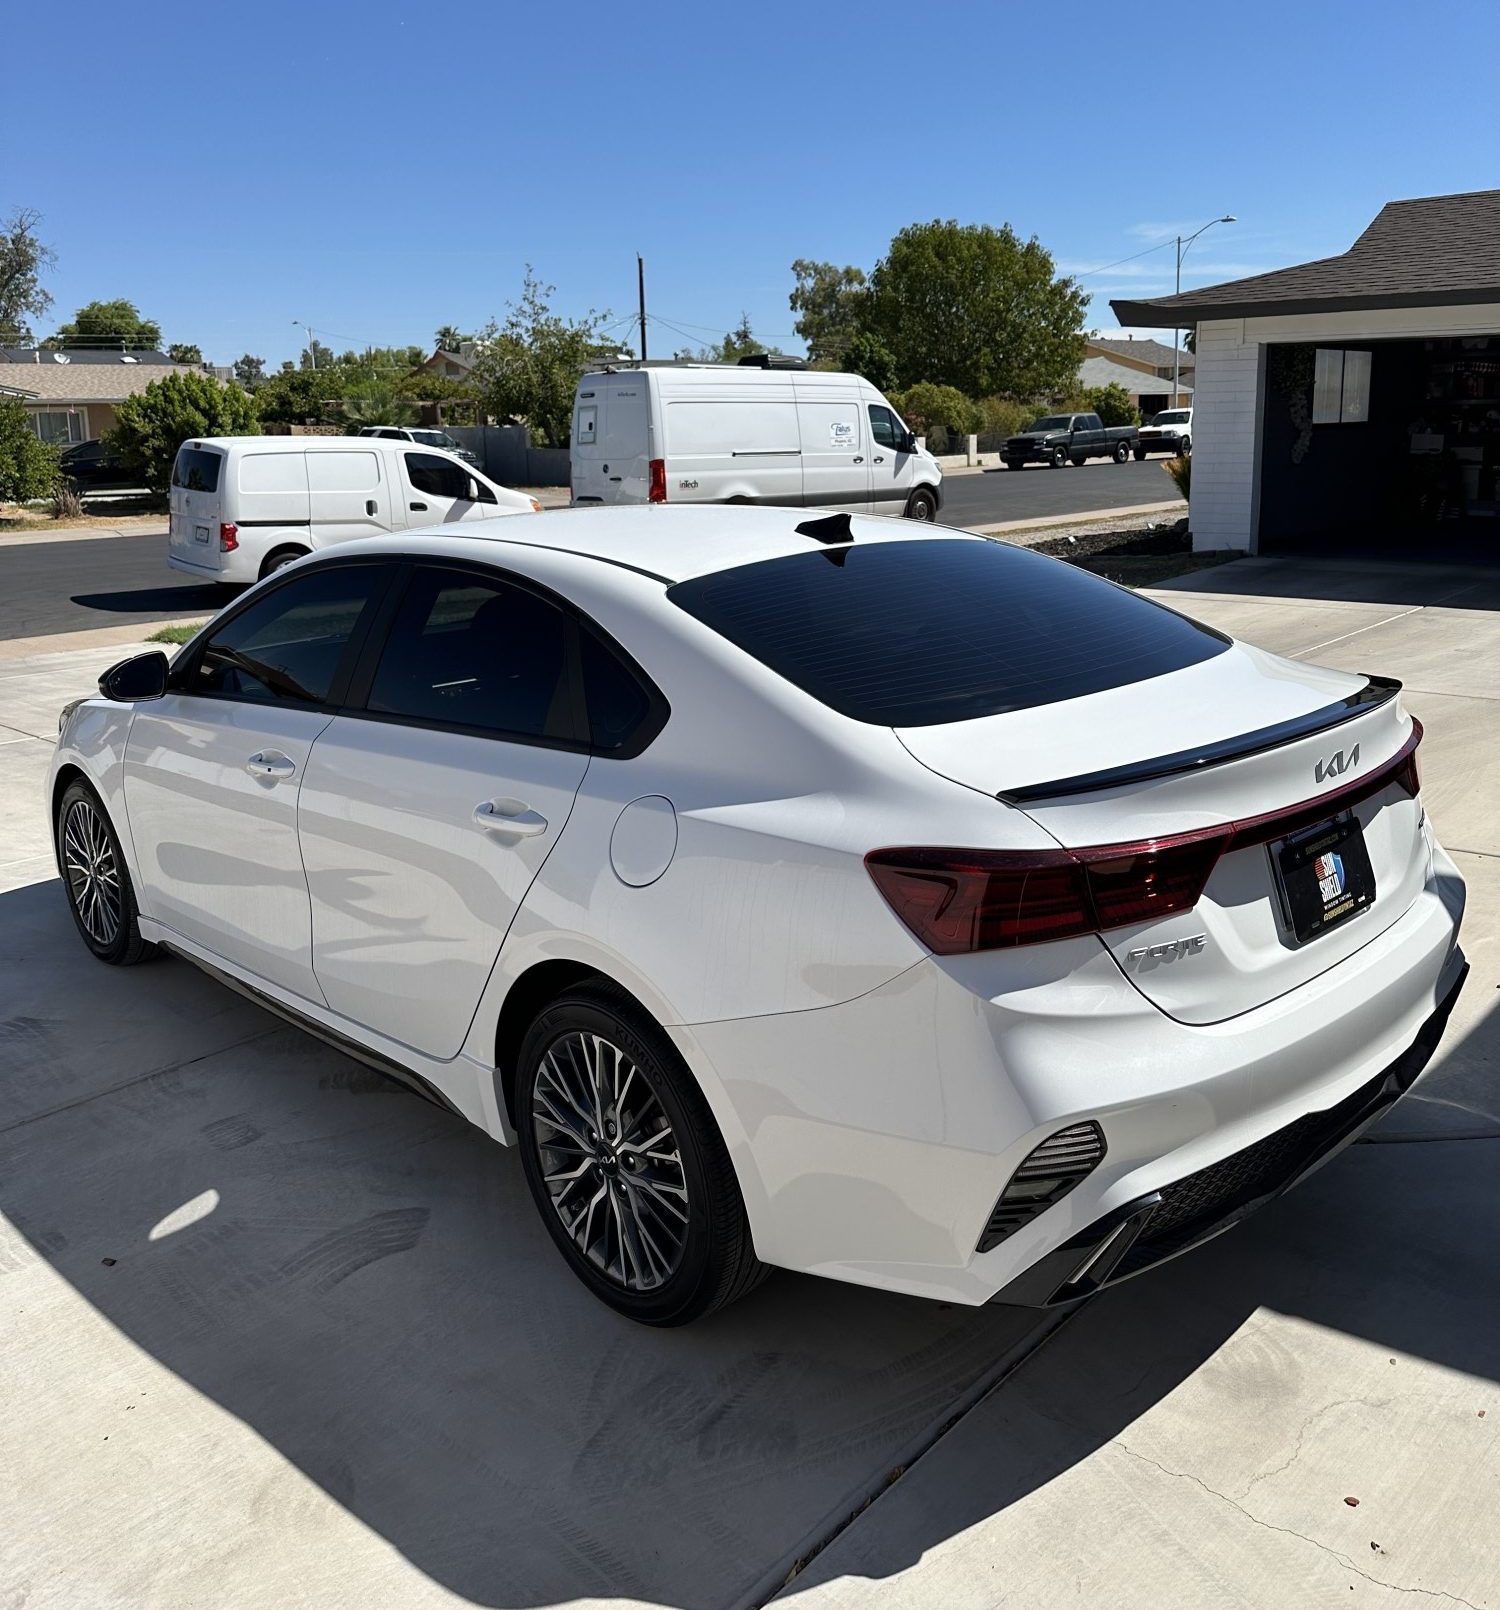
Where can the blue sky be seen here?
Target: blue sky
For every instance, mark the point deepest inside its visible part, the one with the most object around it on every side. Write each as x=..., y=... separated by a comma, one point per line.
x=378, y=169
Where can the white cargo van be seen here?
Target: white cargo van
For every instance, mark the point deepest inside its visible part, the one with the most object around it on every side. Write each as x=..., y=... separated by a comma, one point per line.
x=243, y=506
x=725, y=433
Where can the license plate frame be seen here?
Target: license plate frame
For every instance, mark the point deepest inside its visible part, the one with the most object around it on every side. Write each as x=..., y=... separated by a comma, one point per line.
x=200, y=534
x=1323, y=876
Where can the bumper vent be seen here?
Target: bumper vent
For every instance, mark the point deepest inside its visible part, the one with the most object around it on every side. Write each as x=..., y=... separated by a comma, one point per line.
x=1045, y=1176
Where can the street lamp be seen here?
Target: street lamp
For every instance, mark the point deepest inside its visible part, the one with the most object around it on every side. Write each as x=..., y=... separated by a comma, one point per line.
x=1182, y=246
x=312, y=340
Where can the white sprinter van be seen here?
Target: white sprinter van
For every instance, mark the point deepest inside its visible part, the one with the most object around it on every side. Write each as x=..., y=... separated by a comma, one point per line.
x=243, y=506
x=726, y=433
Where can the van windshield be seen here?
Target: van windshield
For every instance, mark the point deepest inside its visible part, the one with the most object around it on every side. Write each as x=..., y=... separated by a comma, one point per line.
x=196, y=469
x=913, y=634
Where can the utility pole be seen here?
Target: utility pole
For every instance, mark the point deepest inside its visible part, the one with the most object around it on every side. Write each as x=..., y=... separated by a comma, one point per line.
x=640, y=281
x=1182, y=246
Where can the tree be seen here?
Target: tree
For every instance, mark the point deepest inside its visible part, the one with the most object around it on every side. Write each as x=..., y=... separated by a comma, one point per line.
x=977, y=308
x=925, y=406
x=116, y=326
x=1112, y=404
x=375, y=399
x=740, y=342
x=154, y=423
x=448, y=339
x=22, y=260
x=301, y=396
x=28, y=466
x=316, y=356
x=250, y=371
x=831, y=305
x=185, y=352
x=1190, y=339
x=866, y=354
x=529, y=366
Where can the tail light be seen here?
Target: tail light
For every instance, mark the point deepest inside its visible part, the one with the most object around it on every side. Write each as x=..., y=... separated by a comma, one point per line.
x=229, y=536
x=960, y=901
x=656, y=490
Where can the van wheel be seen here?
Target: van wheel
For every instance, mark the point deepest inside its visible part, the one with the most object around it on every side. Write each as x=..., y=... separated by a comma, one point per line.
x=1122, y=453
x=921, y=505
x=278, y=559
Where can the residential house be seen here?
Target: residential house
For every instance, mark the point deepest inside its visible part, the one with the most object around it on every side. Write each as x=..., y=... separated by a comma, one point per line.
x=1152, y=359
x=1146, y=389
x=72, y=396
x=451, y=365
x=1352, y=404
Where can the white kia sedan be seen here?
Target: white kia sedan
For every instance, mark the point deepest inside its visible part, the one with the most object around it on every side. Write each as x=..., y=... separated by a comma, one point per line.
x=791, y=889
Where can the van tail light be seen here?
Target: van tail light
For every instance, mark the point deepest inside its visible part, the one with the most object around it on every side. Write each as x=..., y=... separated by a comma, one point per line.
x=959, y=901
x=229, y=536
x=656, y=490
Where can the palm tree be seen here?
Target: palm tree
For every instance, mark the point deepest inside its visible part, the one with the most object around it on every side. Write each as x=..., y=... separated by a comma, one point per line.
x=448, y=338
x=374, y=400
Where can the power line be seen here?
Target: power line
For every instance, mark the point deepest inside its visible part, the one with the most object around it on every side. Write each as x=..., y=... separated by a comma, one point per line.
x=1088, y=273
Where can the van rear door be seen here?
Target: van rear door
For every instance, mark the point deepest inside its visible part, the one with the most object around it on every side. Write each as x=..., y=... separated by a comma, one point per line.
x=586, y=457
x=348, y=493
x=196, y=507
x=625, y=432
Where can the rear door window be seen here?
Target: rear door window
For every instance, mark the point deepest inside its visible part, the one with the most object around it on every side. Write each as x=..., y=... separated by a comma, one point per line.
x=196, y=469
x=911, y=634
x=289, y=645
x=477, y=653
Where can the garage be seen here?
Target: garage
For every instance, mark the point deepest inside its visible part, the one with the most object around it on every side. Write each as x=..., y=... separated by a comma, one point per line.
x=1351, y=405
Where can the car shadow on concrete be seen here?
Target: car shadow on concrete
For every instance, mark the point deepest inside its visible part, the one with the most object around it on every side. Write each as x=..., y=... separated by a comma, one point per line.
x=1362, y=581
x=365, y=1284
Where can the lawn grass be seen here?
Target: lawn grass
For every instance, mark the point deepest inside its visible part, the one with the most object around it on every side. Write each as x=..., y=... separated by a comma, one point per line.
x=177, y=634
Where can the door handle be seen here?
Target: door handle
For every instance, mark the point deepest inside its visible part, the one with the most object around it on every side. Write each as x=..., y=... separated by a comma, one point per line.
x=369, y=505
x=511, y=817
x=270, y=763
x=860, y=459
x=421, y=506
x=880, y=458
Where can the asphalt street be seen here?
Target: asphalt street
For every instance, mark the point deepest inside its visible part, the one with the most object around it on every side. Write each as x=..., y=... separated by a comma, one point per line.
x=72, y=585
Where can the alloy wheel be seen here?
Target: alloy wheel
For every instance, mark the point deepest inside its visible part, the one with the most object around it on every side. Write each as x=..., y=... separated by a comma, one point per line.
x=93, y=874
x=611, y=1164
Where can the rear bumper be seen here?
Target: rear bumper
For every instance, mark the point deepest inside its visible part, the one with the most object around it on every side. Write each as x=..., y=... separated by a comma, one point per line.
x=1175, y=1218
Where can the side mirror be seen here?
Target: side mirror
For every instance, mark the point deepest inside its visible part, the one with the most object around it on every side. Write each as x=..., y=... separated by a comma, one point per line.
x=144, y=676
x=908, y=443
x=473, y=492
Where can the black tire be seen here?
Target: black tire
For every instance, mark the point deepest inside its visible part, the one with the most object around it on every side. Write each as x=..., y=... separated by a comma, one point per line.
x=707, y=1261
x=95, y=880
x=1059, y=457
x=1185, y=447
x=1015, y=464
x=277, y=559
x=1140, y=454
x=922, y=505
x=1079, y=460
x=1122, y=453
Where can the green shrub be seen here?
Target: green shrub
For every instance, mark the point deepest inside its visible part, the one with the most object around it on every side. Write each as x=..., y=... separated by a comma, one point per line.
x=1000, y=416
x=925, y=405
x=28, y=466
x=154, y=423
x=1112, y=404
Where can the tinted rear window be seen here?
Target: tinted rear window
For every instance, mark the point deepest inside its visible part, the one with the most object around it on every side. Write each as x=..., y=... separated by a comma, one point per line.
x=196, y=469
x=913, y=634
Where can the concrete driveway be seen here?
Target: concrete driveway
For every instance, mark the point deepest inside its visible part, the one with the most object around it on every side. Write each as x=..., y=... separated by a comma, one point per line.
x=277, y=1332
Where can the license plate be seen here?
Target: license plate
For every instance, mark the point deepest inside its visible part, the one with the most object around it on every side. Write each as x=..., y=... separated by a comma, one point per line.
x=200, y=534
x=1325, y=877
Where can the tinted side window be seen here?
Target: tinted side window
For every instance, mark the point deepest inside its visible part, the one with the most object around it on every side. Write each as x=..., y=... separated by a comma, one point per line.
x=910, y=634
x=195, y=469
x=618, y=705
x=287, y=645
x=885, y=429
x=440, y=477
x=466, y=651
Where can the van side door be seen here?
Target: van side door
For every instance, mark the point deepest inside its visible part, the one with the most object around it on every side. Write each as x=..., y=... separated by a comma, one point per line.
x=349, y=495
x=835, y=451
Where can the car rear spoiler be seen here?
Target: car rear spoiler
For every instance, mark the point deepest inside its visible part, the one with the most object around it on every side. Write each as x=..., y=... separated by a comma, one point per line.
x=1378, y=690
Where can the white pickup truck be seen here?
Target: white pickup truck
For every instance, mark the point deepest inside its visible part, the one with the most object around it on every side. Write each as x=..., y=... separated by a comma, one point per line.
x=1170, y=431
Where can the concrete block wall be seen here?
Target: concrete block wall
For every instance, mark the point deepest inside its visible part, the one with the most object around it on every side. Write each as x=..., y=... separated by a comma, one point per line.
x=1225, y=506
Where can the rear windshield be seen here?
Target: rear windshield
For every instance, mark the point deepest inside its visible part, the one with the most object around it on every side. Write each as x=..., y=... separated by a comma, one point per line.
x=914, y=634
x=197, y=469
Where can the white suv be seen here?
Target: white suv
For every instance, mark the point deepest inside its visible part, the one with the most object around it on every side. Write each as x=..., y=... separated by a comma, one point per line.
x=424, y=436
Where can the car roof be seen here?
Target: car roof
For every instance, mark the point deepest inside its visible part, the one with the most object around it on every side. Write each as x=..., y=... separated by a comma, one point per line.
x=669, y=544
x=287, y=444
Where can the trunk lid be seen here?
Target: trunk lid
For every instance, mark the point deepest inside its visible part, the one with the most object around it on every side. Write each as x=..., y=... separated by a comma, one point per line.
x=1245, y=735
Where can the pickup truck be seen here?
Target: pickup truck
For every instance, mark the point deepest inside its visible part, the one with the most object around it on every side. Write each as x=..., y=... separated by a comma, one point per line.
x=1171, y=431
x=1059, y=439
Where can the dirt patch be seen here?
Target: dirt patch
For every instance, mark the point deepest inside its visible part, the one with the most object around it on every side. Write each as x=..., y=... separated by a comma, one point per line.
x=1138, y=554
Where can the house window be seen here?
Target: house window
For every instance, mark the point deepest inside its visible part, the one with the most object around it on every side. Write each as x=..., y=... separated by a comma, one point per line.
x=1341, y=387
x=58, y=425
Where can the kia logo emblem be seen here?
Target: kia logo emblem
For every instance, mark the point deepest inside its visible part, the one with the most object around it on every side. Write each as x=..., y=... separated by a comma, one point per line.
x=1337, y=766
